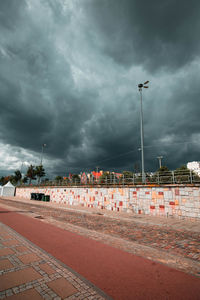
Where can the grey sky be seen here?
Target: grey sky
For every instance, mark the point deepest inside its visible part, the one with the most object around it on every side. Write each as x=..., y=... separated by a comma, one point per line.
x=69, y=75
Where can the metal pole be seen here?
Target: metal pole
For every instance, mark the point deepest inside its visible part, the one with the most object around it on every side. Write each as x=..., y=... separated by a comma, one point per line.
x=191, y=176
x=142, y=137
x=22, y=166
x=42, y=153
x=160, y=161
x=173, y=178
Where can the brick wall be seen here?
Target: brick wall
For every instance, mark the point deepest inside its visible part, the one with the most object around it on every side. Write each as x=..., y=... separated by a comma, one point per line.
x=178, y=201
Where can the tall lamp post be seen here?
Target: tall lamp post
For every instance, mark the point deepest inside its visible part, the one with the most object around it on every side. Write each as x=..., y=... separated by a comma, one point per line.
x=141, y=86
x=160, y=160
x=43, y=145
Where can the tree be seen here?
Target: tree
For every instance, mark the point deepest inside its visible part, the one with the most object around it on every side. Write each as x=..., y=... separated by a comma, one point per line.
x=31, y=173
x=103, y=178
x=162, y=175
x=163, y=169
x=13, y=180
x=2, y=180
x=165, y=176
x=58, y=178
x=45, y=180
x=75, y=178
x=39, y=172
x=25, y=179
x=127, y=177
x=17, y=176
x=5, y=179
x=182, y=174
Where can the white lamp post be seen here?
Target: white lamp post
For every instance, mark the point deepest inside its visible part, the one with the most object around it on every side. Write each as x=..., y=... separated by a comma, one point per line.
x=140, y=86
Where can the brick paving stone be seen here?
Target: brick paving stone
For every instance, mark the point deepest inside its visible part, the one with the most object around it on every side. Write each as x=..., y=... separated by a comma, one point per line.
x=46, y=268
x=29, y=258
x=11, y=242
x=26, y=295
x=13, y=279
x=6, y=251
x=21, y=249
x=164, y=240
x=62, y=287
x=161, y=233
x=169, y=241
x=5, y=236
x=16, y=283
x=5, y=264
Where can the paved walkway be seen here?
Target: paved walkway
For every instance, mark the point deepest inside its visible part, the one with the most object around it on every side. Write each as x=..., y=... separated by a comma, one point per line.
x=27, y=272
x=171, y=241
x=119, y=274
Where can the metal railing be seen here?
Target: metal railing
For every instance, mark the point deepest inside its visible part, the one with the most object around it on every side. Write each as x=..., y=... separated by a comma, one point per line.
x=157, y=178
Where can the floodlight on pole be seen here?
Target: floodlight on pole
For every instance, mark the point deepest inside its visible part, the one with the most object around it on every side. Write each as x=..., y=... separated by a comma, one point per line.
x=160, y=160
x=43, y=145
x=140, y=86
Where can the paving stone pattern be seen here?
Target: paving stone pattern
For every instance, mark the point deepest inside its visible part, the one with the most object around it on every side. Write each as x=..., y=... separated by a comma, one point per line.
x=173, y=242
x=184, y=243
x=27, y=272
x=178, y=201
x=178, y=241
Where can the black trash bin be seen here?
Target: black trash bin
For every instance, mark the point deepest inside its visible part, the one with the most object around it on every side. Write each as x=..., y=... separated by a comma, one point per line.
x=47, y=198
x=40, y=196
x=36, y=196
x=32, y=196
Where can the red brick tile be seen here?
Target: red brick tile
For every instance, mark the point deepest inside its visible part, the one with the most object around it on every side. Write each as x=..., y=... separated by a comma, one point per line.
x=11, y=243
x=13, y=279
x=152, y=207
x=26, y=295
x=62, y=287
x=47, y=269
x=6, y=251
x=28, y=258
x=5, y=264
x=21, y=249
x=6, y=236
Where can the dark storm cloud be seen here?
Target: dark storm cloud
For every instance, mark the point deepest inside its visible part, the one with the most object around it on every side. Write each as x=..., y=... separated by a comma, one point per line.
x=38, y=103
x=69, y=75
x=10, y=12
x=155, y=33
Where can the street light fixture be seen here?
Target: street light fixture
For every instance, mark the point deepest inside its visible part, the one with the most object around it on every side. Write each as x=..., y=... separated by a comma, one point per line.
x=141, y=86
x=160, y=160
x=43, y=145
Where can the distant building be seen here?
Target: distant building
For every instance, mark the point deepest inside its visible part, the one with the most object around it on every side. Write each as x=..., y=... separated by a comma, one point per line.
x=194, y=166
x=97, y=175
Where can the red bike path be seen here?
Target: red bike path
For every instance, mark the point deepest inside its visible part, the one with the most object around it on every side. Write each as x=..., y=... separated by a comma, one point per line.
x=119, y=274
